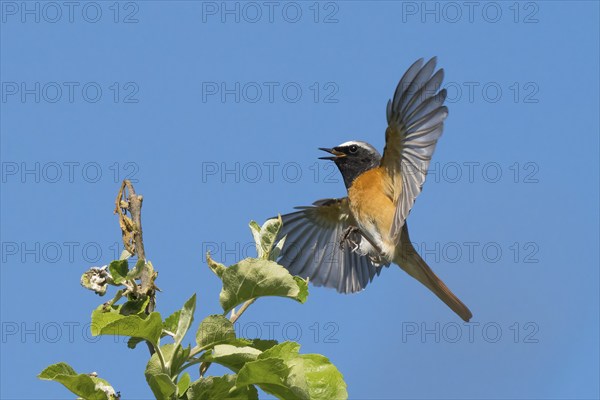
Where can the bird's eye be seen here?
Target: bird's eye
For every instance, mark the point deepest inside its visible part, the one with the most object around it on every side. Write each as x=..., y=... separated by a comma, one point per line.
x=353, y=148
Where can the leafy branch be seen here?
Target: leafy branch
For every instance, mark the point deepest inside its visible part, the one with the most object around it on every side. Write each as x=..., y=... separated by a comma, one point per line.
x=275, y=368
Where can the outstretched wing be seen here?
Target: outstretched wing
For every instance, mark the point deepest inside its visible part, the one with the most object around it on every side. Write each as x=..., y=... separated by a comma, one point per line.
x=312, y=247
x=415, y=118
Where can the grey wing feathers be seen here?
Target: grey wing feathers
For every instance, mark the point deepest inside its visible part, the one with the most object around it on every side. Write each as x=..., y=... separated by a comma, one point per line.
x=415, y=117
x=312, y=248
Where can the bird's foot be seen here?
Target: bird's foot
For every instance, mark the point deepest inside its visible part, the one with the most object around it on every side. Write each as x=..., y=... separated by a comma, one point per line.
x=353, y=236
x=347, y=236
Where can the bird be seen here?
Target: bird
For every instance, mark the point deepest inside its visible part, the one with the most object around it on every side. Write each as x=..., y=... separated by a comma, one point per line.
x=343, y=243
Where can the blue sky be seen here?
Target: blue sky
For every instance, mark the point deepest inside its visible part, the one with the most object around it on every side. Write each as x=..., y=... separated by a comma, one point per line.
x=217, y=111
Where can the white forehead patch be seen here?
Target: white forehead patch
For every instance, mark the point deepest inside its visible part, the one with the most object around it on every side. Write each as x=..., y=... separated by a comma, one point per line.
x=350, y=143
x=356, y=142
x=363, y=145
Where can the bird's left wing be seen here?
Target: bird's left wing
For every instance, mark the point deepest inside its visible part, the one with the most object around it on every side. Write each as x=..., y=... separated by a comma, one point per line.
x=415, y=118
x=312, y=247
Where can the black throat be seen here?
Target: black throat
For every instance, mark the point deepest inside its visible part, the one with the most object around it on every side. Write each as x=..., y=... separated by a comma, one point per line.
x=351, y=168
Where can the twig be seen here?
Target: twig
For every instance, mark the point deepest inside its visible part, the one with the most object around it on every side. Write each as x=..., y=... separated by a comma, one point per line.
x=131, y=228
x=133, y=240
x=128, y=201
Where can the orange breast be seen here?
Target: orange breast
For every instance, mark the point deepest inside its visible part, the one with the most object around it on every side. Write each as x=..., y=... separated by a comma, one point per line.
x=371, y=200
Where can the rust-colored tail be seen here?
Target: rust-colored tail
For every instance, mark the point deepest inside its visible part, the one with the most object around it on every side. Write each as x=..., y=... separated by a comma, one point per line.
x=410, y=261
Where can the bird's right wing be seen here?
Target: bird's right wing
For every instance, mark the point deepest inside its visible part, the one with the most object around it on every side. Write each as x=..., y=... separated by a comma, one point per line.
x=312, y=247
x=415, y=117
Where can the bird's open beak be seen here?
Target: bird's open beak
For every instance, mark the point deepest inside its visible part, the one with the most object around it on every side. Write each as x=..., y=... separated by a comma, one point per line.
x=336, y=153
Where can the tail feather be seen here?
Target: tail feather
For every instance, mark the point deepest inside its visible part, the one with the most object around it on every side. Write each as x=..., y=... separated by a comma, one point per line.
x=411, y=262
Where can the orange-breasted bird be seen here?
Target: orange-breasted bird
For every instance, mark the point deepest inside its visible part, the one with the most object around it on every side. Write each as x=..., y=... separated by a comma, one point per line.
x=343, y=243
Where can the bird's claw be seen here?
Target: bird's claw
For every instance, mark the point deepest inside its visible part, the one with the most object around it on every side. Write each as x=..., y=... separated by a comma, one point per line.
x=346, y=237
x=375, y=256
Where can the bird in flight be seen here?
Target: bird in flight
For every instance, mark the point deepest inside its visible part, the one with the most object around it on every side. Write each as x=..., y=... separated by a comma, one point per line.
x=343, y=243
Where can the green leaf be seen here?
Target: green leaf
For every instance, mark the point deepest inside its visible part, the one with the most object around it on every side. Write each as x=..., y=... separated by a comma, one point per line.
x=179, y=357
x=323, y=378
x=133, y=307
x=275, y=372
x=268, y=234
x=83, y=385
x=276, y=251
x=172, y=322
x=220, y=387
x=215, y=267
x=154, y=367
x=183, y=384
x=276, y=377
x=213, y=330
x=136, y=272
x=286, y=374
x=186, y=316
x=253, y=277
x=260, y=344
x=125, y=255
x=264, y=237
x=230, y=356
x=133, y=342
x=105, y=387
x=53, y=370
x=162, y=386
x=174, y=358
x=118, y=270
x=113, y=323
x=255, y=229
x=285, y=351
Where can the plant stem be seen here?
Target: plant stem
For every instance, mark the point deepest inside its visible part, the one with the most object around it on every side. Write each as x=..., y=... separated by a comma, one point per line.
x=243, y=308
